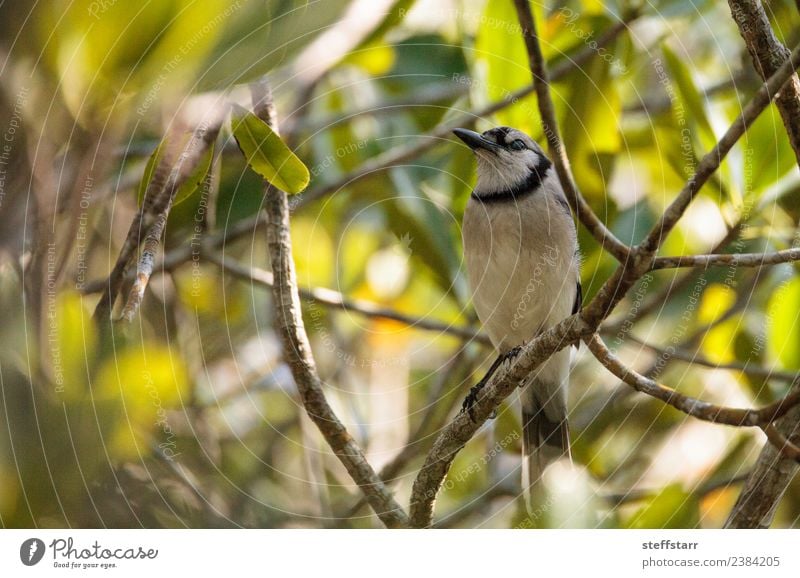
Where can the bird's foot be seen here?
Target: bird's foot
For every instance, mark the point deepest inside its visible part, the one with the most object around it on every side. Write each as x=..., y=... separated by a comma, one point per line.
x=513, y=352
x=471, y=398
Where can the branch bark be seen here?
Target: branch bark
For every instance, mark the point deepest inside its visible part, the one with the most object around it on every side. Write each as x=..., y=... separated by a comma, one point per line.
x=756, y=505
x=170, y=174
x=768, y=55
x=289, y=325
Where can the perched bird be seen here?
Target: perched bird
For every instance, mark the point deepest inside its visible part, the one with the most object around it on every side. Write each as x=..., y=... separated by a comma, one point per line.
x=522, y=261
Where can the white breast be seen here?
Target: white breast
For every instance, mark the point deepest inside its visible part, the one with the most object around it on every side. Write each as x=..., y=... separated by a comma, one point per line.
x=521, y=263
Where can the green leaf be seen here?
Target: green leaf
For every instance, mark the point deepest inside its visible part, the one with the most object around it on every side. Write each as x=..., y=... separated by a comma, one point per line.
x=689, y=96
x=768, y=156
x=590, y=129
x=502, y=66
x=671, y=508
x=195, y=181
x=783, y=325
x=149, y=169
x=267, y=154
x=192, y=184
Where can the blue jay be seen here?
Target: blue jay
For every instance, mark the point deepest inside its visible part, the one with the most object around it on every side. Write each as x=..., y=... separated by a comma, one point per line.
x=522, y=261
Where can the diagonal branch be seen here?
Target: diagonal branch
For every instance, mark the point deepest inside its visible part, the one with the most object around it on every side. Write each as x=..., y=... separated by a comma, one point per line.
x=504, y=382
x=541, y=82
x=768, y=55
x=694, y=407
x=710, y=162
x=289, y=324
x=170, y=174
x=623, y=278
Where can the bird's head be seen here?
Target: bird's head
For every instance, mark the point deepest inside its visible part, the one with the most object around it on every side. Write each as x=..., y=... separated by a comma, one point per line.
x=510, y=162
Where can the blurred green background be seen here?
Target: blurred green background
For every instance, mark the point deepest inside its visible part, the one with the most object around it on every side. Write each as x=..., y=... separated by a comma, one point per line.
x=189, y=418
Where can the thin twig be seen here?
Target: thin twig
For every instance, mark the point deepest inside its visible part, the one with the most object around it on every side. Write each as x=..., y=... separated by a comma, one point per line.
x=682, y=354
x=541, y=81
x=170, y=174
x=723, y=259
x=334, y=299
x=657, y=301
x=297, y=350
x=689, y=405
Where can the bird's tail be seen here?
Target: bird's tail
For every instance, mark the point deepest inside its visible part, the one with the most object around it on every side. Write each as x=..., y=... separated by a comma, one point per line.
x=545, y=434
x=544, y=440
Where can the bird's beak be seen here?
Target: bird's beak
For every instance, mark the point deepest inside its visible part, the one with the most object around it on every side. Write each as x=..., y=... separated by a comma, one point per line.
x=474, y=140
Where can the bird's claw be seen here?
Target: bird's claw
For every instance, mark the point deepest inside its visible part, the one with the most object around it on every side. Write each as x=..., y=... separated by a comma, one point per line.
x=513, y=352
x=471, y=398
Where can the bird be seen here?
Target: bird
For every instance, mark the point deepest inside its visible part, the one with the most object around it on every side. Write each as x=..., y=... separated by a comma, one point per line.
x=523, y=267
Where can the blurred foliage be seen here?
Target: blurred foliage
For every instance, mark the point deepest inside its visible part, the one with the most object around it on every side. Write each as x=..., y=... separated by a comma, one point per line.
x=189, y=417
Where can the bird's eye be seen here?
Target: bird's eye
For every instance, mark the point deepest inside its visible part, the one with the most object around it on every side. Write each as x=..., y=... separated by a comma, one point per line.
x=517, y=145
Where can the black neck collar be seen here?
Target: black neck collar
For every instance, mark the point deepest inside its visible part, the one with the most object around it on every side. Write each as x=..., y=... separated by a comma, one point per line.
x=527, y=187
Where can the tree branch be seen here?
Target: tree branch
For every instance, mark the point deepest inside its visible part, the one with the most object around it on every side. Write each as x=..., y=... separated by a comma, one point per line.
x=769, y=478
x=723, y=259
x=152, y=215
x=694, y=407
x=695, y=359
x=504, y=382
x=336, y=300
x=768, y=56
x=289, y=324
x=541, y=82
x=643, y=255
